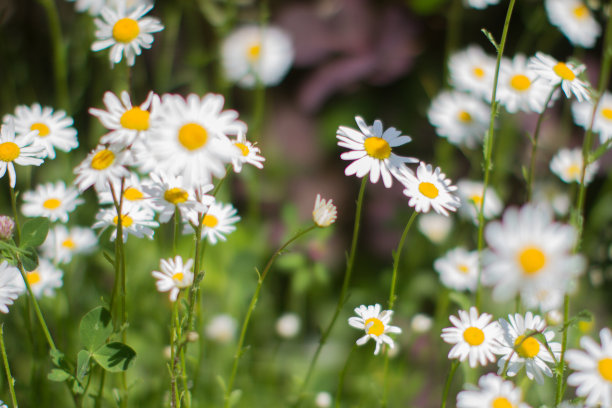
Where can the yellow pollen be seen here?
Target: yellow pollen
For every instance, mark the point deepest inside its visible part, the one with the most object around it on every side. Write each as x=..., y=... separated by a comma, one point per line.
x=43, y=130
x=9, y=151
x=210, y=221
x=463, y=268
x=573, y=171
x=254, y=52
x=606, y=113
x=528, y=348
x=473, y=336
x=477, y=199
x=520, y=82
x=581, y=12
x=68, y=243
x=377, y=147
x=102, y=160
x=604, y=366
x=135, y=119
x=126, y=220
x=564, y=72
x=33, y=277
x=52, y=203
x=125, y=30
x=501, y=402
x=377, y=327
x=478, y=72
x=192, y=136
x=464, y=117
x=176, y=195
x=133, y=194
x=178, y=276
x=428, y=190
x=243, y=148
x=532, y=260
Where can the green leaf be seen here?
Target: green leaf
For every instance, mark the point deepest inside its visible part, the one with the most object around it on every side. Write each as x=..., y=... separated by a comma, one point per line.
x=77, y=387
x=29, y=259
x=114, y=357
x=34, y=232
x=234, y=397
x=95, y=327
x=58, y=375
x=57, y=357
x=490, y=38
x=82, y=368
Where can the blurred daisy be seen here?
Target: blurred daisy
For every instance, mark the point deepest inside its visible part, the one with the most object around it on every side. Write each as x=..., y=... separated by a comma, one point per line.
x=167, y=193
x=493, y=392
x=61, y=243
x=472, y=70
x=428, y=189
x=288, y=325
x=323, y=399
x=221, y=328
x=459, y=117
x=54, y=129
x=592, y=369
x=45, y=278
x=583, y=113
x=133, y=193
x=324, y=213
x=376, y=325
x=11, y=285
x=566, y=74
x=421, y=323
x=458, y=269
x=474, y=337
x=103, y=167
x=51, y=200
x=371, y=150
x=521, y=349
x=174, y=276
x=470, y=193
x=479, y=4
x=434, y=226
x=252, y=53
x=19, y=150
x=135, y=221
x=246, y=152
x=567, y=165
x=544, y=299
x=125, y=32
x=575, y=21
x=218, y=222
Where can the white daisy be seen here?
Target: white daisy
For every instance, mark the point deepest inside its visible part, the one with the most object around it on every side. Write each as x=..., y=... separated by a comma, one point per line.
x=246, y=152
x=174, y=276
x=252, y=53
x=11, y=285
x=583, y=113
x=458, y=269
x=575, y=21
x=371, y=150
x=221, y=328
x=474, y=337
x=376, y=325
x=567, y=165
x=472, y=70
x=51, y=200
x=480, y=4
x=17, y=150
x=494, y=392
x=520, y=348
x=288, y=325
x=324, y=213
x=470, y=193
x=94, y=6
x=435, y=227
x=101, y=168
x=592, y=369
x=125, y=32
x=135, y=221
x=54, y=129
x=428, y=189
x=133, y=192
x=564, y=73
x=61, y=244
x=45, y=278
x=461, y=118
x=543, y=299
x=218, y=221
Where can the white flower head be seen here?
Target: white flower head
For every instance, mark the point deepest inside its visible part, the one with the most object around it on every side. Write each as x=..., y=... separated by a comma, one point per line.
x=221, y=328
x=19, y=150
x=434, y=226
x=11, y=285
x=45, y=278
x=324, y=213
x=471, y=192
x=602, y=123
x=51, y=200
x=493, y=391
x=135, y=220
x=174, y=276
x=428, y=189
x=376, y=325
x=288, y=325
x=133, y=193
x=62, y=243
x=565, y=73
x=103, y=167
x=575, y=21
x=567, y=165
x=218, y=221
x=458, y=269
x=246, y=152
x=472, y=70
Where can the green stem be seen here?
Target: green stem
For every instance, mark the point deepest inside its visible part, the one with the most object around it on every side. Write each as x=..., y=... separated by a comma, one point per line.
x=175, y=401
x=7, y=369
x=449, y=380
x=15, y=215
x=342, y=375
x=98, y=402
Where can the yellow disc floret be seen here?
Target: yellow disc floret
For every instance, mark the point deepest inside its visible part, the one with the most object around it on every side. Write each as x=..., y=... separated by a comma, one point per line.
x=376, y=327
x=102, y=160
x=526, y=347
x=243, y=148
x=135, y=119
x=377, y=147
x=464, y=117
x=126, y=30
x=192, y=136
x=501, y=402
x=478, y=72
x=604, y=366
x=254, y=52
x=133, y=194
x=33, y=277
x=473, y=336
x=52, y=203
x=68, y=243
x=176, y=195
x=607, y=113
x=43, y=130
x=126, y=220
x=581, y=12
x=178, y=276
x=428, y=190
x=531, y=259
x=563, y=71
x=210, y=221
x=9, y=151
x=520, y=82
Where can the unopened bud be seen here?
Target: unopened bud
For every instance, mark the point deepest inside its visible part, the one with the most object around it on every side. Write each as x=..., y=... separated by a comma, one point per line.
x=7, y=225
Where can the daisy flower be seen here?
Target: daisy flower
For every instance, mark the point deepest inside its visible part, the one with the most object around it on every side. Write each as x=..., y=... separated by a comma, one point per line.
x=51, y=200
x=135, y=220
x=371, y=150
x=575, y=21
x=221, y=328
x=252, y=53
x=592, y=369
x=17, y=150
x=435, y=227
x=493, y=392
x=543, y=299
x=125, y=32
x=133, y=192
x=101, y=168
x=324, y=213
x=567, y=165
x=54, y=129
x=521, y=349
x=246, y=152
x=428, y=189
x=583, y=113
x=460, y=118
x=528, y=251
x=479, y=4
x=45, y=278
x=218, y=222
x=564, y=73
x=11, y=285
x=472, y=70
x=458, y=269
x=474, y=337
x=62, y=243
x=376, y=325
x=174, y=276
x=470, y=193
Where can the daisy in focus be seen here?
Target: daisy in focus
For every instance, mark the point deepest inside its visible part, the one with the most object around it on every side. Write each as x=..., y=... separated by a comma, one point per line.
x=567, y=165
x=54, y=129
x=574, y=20
x=45, y=279
x=458, y=269
x=19, y=150
x=218, y=222
x=324, y=213
x=470, y=193
x=174, y=276
x=11, y=285
x=583, y=112
x=51, y=200
x=493, y=392
x=474, y=337
x=376, y=325
x=253, y=54
x=168, y=193
x=103, y=167
x=472, y=70
x=126, y=33
x=371, y=150
x=135, y=221
x=62, y=243
x=564, y=74
x=246, y=152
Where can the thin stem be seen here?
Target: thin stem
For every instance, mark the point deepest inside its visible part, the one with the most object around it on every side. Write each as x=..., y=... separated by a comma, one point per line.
x=100, y=389
x=449, y=380
x=7, y=369
x=342, y=375
x=175, y=401
x=15, y=215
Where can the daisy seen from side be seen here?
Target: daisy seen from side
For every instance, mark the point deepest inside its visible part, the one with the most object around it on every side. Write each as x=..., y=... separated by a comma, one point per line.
x=458, y=269
x=54, y=201
x=19, y=150
x=246, y=152
x=602, y=123
x=375, y=322
x=133, y=192
x=135, y=220
x=493, y=392
x=11, y=285
x=174, y=276
x=574, y=20
x=567, y=165
x=564, y=74
x=324, y=213
x=470, y=193
x=218, y=221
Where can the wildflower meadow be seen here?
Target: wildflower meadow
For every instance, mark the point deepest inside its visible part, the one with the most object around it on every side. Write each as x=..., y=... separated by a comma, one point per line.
x=323, y=203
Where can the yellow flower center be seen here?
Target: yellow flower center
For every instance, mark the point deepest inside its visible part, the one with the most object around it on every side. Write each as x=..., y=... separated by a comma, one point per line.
x=126, y=220
x=606, y=113
x=102, y=160
x=135, y=119
x=9, y=151
x=581, y=12
x=43, y=130
x=68, y=243
x=377, y=327
x=464, y=117
x=501, y=402
x=428, y=190
x=178, y=276
x=377, y=147
x=133, y=194
x=477, y=199
x=33, y=277
x=192, y=136
x=478, y=72
x=210, y=221
x=573, y=171
x=520, y=82
x=473, y=336
x=176, y=195
x=243, y=148
x=52, y=203
x=564, y=72
x=585, y=326
x=604, y=366
x=532, y=260
x=254, y=52
x=527, y=348
x=463, y=268
x=125, y=30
